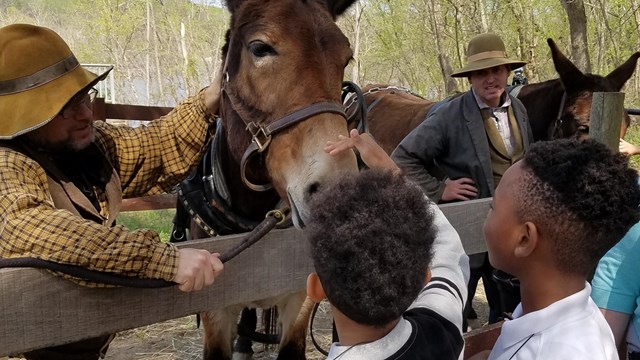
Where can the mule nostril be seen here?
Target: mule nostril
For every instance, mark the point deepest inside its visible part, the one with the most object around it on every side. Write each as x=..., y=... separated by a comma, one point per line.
x=313, y=188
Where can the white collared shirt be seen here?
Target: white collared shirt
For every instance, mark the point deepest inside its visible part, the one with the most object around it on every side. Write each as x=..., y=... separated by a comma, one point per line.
x=572, y=328
x=379, y=349
x=501, y=116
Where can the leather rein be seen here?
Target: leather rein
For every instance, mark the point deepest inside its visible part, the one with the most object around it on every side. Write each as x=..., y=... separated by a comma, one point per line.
x=557, y=123
x=272, y=219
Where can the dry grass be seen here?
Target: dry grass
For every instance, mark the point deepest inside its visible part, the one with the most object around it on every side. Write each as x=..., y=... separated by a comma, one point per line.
x=179, y=339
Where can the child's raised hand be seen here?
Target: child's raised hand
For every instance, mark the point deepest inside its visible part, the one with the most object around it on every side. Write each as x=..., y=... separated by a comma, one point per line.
x=371, y=153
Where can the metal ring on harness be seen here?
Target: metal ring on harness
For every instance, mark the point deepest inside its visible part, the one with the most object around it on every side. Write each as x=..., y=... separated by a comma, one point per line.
x=261, y=135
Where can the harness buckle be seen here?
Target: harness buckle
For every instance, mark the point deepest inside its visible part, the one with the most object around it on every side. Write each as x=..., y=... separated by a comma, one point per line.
x=259, y=136
x=279, y=214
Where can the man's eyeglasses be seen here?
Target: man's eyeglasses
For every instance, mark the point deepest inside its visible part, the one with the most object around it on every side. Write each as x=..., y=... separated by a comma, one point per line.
x=72, y=107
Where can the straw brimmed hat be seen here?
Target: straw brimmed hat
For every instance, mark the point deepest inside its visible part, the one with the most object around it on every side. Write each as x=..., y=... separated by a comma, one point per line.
x=486, y=51
x=38, y=75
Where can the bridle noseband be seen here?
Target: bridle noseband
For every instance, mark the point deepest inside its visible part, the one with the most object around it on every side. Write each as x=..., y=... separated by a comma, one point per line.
x=557, y=124
x=262, y=130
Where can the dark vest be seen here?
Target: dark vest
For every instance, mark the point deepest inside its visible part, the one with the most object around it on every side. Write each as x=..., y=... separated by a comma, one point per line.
x=500, y=158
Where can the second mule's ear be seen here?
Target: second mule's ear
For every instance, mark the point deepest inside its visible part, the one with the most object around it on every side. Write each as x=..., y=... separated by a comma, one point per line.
x=232, y=5
x=622, y=73
x=570, y=75
x=337, y=7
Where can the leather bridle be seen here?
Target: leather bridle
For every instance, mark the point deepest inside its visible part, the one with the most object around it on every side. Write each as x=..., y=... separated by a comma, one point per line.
x=557, y=126
x=262, y=131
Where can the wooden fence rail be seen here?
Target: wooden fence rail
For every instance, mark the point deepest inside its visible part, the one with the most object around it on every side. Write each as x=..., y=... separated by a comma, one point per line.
x=39, y=309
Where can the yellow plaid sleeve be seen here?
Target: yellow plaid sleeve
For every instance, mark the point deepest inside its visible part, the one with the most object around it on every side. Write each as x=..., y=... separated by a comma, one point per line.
x=153, y=158
x=149, y=159
x=30, y=226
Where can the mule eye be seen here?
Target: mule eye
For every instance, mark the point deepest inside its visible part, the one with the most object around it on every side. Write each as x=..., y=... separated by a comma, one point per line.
x=260, y=49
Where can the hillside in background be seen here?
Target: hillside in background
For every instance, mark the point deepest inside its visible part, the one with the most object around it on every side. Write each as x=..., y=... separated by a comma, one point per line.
x=164, y=50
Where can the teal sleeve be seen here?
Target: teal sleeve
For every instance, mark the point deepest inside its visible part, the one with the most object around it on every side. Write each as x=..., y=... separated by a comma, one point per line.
x=616, y=284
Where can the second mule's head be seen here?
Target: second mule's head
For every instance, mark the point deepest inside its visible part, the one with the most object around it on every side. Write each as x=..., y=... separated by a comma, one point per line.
x=579, y=87
x=283, y=56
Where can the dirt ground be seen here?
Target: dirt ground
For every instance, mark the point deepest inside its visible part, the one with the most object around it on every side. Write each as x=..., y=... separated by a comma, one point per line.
x=179, y=339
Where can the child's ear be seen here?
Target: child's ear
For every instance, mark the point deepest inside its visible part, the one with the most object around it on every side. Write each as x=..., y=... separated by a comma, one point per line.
x=427, y=278
x=315, y=291
x=528, y=240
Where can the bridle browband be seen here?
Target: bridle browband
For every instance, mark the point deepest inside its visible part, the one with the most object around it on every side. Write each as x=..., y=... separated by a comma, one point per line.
x=262, y=130
x=557, y=123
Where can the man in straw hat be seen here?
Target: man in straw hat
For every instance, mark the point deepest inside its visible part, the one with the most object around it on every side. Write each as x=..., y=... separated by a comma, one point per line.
x=63, y=176
x=473, y=139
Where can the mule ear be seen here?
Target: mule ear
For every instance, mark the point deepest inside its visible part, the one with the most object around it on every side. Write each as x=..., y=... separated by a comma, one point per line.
x=232, y=5
x=337, y=7
x=569, y=73
x=619, y=76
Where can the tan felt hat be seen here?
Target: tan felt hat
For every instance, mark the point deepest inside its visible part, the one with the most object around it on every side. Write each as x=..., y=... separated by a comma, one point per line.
x=486, y=51
x=38, y=76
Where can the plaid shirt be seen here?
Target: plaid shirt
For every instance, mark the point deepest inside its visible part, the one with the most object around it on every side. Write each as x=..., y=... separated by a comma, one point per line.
x=149, y=159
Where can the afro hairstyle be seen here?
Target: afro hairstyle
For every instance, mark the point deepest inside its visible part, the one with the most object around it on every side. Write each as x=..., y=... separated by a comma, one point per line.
x=371, y=238
x=582, y=197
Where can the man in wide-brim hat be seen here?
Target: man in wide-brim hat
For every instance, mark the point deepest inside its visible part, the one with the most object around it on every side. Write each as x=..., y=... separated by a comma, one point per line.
x=63, y=175
x=472, y=138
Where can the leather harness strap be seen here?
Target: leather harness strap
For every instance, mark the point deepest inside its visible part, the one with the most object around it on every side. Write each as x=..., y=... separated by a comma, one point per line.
x=261, y=135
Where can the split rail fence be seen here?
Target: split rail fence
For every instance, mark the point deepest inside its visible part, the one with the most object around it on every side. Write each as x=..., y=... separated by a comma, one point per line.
x=39, y=309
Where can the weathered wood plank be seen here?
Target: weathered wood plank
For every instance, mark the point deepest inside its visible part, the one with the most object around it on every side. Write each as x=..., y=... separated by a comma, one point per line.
x=607, y=109
x=468, y=218
x=481, y=339
x=38, y=309
x=103, y=111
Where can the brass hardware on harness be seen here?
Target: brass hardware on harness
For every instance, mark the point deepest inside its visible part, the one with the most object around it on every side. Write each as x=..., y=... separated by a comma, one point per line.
x=278, y=214
x=259, y=136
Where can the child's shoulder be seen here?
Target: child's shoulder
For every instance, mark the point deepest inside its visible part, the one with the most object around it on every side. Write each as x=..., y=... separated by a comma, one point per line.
x=433, y=336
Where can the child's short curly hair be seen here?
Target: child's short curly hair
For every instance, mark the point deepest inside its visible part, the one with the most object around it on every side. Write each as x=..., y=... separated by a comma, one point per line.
x=581, y=196
x=371, y=237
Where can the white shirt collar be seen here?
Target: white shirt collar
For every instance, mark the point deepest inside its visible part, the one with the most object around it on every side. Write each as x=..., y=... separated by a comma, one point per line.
x=575, y=305
x=483, y=105
x=379, y=349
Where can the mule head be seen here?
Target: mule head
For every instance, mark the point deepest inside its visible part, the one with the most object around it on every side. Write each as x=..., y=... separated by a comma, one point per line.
x=282, y=56
x=579, y=88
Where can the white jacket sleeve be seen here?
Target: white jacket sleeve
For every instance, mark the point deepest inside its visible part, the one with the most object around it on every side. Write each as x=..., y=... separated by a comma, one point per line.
x=446, y=293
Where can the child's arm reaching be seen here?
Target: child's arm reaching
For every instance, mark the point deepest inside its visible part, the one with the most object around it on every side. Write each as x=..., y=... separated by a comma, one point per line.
x=446, y=292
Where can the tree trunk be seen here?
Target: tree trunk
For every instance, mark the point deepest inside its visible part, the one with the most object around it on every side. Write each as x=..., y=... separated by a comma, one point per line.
x=578, y=28
x=355, y=70
x=635, y=5
x=450, y=84
x=185, y=57
x=147, y=68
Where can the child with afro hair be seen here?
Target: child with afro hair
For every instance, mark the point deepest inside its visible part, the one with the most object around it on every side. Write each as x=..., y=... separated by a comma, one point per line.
x=390, y=264
x=554, y=215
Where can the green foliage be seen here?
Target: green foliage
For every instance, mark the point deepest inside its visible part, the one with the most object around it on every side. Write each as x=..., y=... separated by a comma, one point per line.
x=400, y=40
x=158, y=220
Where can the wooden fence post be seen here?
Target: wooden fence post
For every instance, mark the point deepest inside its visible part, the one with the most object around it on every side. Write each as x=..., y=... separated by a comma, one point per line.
x=606, y=117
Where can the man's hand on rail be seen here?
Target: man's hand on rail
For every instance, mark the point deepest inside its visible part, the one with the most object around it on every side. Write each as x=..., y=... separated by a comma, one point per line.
x=197, y=268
